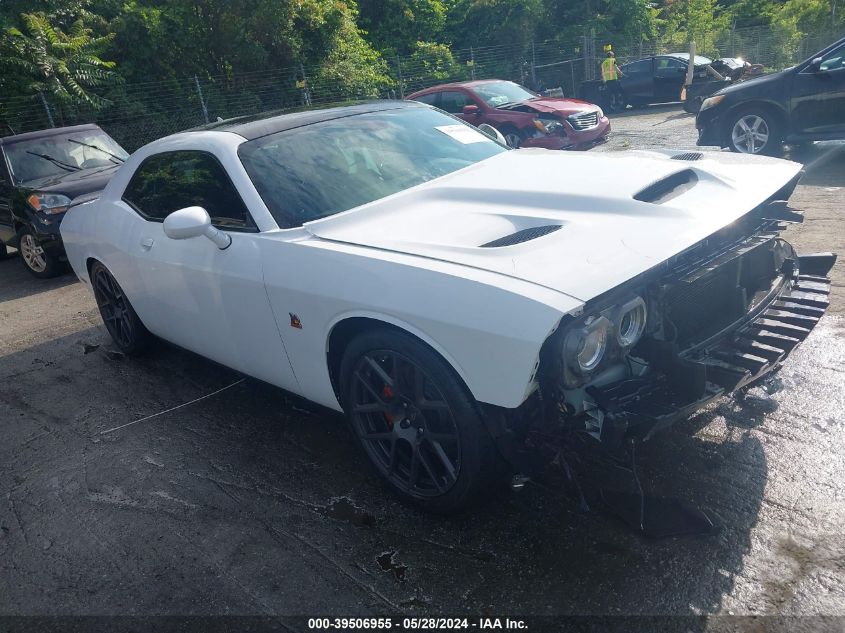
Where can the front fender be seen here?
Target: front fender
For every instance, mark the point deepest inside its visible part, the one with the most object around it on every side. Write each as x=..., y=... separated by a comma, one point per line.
x=487, y=326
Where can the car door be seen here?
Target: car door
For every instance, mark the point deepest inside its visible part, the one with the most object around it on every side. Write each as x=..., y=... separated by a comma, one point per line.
x=637, y=81
x=453, y=102
x=818, y=98
x=7, y=229
x=210, y=301
x=669, y=76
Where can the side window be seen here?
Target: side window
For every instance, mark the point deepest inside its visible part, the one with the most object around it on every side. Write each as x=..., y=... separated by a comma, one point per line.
x=641, y=67
x=668, y=67
x=430, y=98
x=170, y=181
x=454, y=102
x=834, y=60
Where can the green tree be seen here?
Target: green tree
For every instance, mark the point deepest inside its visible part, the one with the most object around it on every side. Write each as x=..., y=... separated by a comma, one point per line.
x=65, y=66
x=494, y=22
x=701, y=21
x=394, y=26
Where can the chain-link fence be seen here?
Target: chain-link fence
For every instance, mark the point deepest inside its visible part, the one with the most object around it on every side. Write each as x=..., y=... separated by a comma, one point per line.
x=139, y=113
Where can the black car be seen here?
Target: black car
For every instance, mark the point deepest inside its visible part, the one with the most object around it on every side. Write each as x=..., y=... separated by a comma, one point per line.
x=661, y=78
x=40, y=173
x=802, y=103
x=655, y=79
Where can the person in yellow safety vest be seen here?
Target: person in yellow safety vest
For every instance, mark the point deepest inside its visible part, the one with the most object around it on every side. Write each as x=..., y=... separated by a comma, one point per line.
x=610, y=74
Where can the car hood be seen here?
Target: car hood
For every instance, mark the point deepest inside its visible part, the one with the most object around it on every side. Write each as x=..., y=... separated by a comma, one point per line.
x=553, y=105
x=601, y=237
x=75, y=183
x=762, y=82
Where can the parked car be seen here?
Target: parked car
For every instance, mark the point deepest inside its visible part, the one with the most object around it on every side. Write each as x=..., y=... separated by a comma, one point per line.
x=723, y=71
x=655, y=79
x=453, y=297
x=40, y=172
x=525, y=118
x=802, y=103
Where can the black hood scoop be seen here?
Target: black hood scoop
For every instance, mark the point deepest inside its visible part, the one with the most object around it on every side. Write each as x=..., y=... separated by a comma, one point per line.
x=668, y=188
x=525, y=235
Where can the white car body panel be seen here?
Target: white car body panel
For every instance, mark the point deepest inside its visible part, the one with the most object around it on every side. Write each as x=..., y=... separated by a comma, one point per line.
x=412, y=260
x=607, y=237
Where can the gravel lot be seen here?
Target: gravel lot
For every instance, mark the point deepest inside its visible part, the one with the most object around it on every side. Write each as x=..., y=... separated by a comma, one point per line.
x=252, y=502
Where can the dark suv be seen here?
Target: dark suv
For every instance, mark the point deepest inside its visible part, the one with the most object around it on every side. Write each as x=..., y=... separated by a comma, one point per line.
x=40, y=172
x=802, y=103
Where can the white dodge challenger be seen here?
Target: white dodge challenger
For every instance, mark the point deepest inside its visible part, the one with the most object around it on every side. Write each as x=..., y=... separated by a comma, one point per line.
x=451, y=296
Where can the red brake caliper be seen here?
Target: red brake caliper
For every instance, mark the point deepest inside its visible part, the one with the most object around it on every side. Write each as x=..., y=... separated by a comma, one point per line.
x=387, y=392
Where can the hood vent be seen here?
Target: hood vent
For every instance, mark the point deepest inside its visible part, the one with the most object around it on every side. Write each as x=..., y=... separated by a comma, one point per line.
x=688, y=156
x=668, y=188
x=525, y=235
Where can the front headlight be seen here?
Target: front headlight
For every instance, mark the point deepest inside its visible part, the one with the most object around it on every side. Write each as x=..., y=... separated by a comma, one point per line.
x=600, y=111
x=709, y=102
x=584, y=347
x=548, y=126
x=49, y=203
x=630, y=320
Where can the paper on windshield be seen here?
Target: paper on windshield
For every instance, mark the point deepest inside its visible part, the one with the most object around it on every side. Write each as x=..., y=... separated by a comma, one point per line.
x=462, y=133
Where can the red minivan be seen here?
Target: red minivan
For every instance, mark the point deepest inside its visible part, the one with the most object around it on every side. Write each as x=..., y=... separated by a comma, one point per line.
x=525, y=118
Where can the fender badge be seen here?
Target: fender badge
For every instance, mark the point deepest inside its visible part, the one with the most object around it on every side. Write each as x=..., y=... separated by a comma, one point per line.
x=294, y=321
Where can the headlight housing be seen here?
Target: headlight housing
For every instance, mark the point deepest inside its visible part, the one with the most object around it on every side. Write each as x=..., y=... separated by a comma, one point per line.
x=584, y=347
x=49, y=203
x=709, y=102
x=630, y=320
x=548, y=126
x=600, y=339
x=600, y=111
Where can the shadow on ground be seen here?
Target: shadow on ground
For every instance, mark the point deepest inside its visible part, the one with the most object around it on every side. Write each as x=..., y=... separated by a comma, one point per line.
x=251, y=502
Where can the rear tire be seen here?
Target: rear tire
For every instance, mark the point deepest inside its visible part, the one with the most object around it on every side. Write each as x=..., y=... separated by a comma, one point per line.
x=35, y=259
x=754, y=130
x=416, y=422
x=128, y=333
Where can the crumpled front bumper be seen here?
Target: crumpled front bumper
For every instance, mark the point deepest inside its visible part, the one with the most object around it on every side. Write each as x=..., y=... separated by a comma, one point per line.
x=746, y=355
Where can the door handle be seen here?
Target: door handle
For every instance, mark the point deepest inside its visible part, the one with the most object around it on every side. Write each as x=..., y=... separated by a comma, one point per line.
x=147, y=243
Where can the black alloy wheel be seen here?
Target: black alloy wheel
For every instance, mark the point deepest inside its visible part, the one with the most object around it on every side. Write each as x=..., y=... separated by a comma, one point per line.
x=415, y=421
x=124, y=326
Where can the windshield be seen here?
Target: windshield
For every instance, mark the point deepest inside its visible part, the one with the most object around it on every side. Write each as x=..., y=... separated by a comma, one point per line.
x=65, y=152
x=498, y=93
x=324, y=168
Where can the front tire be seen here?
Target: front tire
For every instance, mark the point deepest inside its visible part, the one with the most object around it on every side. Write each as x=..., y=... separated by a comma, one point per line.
x=128, y=333
x=416, y=422
x=35, y=259
x=754, y=131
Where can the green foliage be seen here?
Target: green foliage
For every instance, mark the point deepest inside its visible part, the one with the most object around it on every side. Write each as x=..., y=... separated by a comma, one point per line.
x=133, y=62
x=395, y=26
x=64, y=65
x=701, y=21
x=494, y=22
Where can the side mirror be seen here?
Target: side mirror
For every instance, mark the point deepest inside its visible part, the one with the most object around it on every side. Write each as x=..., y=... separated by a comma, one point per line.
x=193, y=222
x=492, y=132
x=471, y=109
x=816, y=64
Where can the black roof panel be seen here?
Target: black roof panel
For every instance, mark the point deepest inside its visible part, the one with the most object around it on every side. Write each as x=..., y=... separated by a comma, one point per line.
x=257, y=125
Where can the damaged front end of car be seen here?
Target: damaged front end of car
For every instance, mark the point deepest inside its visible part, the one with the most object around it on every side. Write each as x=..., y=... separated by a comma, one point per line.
x=716, y=319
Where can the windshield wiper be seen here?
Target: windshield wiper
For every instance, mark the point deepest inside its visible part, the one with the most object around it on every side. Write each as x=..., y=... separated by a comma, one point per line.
x=55, y=161
x=99, y=149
